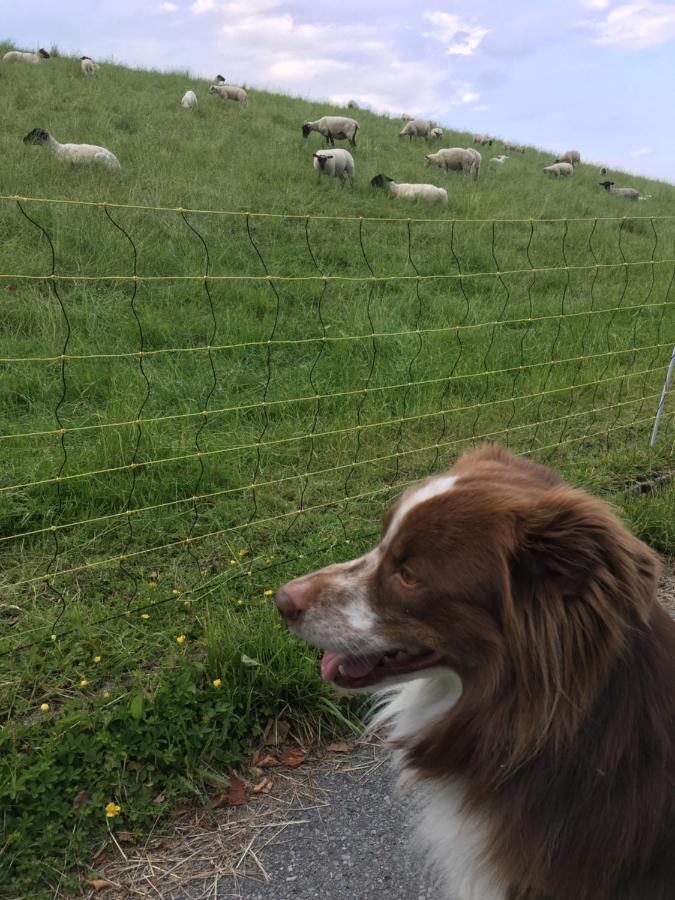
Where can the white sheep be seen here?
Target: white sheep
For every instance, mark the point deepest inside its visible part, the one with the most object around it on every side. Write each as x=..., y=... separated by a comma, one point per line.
x=499, y=159
x=74, y=153
x=189, y=100
x=88, y=66
x=482, y=139
x=333, y=128
x=570, y=156
x=406, y=117
x=628, y=193
x=436, y=133
x=417, y=128
x=20, y=56
x=455, y=159
x=514, y=148
x=336, y=163
x=427, y=192
x=230, y=92
x=559, y=169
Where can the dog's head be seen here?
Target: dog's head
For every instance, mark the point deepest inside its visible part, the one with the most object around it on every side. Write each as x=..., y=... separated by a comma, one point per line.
x=498, y=570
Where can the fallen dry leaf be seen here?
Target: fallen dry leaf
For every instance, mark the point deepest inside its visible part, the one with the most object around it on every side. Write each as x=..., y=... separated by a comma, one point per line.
x=264, y=786
x=269, y=759
x=339, y=747
x=80, y=799
x=160, y=798
x=275, y=731
x=98, y=883
x=290, y=757
x=126, y=837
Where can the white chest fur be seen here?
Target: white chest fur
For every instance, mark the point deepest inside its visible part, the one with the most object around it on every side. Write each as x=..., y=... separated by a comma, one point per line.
x=453, y=839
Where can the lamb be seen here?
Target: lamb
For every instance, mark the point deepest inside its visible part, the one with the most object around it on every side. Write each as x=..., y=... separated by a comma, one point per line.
x=21, y=56
x=428, y=192
x=514, y=148
x=436, y=133
x=558, y=169
x=337, y=163
x=570, y=156
x=482, y=139
x=189, y=100
x=499, y=159
x=456, y=159
x=417, y=128
x=88, y=66
x=230, y=92
x=333, y=128
x=628, y=193
x=74, y=153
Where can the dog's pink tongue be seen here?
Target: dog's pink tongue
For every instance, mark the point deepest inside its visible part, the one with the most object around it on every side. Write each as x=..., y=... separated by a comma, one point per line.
x=354, y=667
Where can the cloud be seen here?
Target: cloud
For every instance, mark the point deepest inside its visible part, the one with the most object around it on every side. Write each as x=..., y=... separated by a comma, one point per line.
x=595, y=4
x=636, y=26
x=460, y=38
x=482, y=108
x=641, y=151
x=168, y=7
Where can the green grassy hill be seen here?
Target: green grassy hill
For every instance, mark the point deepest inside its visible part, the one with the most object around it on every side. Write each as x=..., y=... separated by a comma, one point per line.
x=248, y=427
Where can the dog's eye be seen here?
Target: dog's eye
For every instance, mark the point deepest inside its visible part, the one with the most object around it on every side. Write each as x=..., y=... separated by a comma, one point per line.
x=406, y=576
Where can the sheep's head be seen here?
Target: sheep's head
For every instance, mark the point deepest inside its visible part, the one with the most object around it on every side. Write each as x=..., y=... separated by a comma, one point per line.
x=220, y=79
x=36, y=136
x=43, y=53
x=85, y=57
x=606, y=184
x=306, y=129
x=428, y=160
x=321, y=158
x=213, y=89
x=380, y=181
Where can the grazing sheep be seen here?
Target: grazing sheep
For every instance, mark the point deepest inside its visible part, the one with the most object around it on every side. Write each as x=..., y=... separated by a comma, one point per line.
x=353, y=105
x=499, y=159
x=455, y=159
x=337, y=163
x=482, y=139
x=21, y=56
x=333, y=128
x=417, y=128
x=436, y=133
x=189, y=100
x=428, y=192
x=88, y=66
x=230, y=92
x=74, y=153
x=628, y=193
x=560, y=168
x=406, y=117
x=570, y=156
x=514, y=148
x=603, y=170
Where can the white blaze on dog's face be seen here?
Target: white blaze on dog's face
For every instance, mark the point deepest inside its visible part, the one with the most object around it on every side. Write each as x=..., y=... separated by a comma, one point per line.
x=340, y=610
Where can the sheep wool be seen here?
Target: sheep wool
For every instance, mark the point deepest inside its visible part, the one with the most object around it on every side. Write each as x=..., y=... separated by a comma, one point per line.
x=514, y=148
x=456, y=159
x=560, y=169
x=20, y=56
x=333, y=128
x=573, y=157
x=436, y=133
x=417, y=128
x=81, y=154
x=189, y=100
x=482, y=139
x=88, y=66
x=337, y=163
x=627, y=193
x=427, y=192
x=230, y=92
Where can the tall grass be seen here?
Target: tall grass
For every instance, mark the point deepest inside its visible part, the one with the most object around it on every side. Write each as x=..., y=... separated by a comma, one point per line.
x=325, y=395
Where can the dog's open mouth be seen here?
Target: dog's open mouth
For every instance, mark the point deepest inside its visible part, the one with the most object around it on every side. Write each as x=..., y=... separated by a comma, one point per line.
x=362, y=671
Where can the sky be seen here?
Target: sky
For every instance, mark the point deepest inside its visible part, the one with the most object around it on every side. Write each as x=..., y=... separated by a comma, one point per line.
x=592, y=75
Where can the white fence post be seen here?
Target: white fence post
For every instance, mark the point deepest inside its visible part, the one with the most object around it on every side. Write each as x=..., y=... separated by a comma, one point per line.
x=662, y=401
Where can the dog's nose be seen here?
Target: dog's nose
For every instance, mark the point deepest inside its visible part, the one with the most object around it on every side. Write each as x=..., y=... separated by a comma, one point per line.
x=286, y=604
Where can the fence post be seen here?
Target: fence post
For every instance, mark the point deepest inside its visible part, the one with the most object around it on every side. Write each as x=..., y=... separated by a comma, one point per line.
x=662, y=401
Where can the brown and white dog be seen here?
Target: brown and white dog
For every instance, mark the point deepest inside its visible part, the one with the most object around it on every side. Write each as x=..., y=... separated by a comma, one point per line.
x=528, y=678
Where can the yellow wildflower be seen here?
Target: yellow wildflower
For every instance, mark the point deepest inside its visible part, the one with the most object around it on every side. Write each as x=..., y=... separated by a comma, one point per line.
x=152, y=584
x=145, y=615
x=53, y=637
x=217, y=682
x=112, y=810
x=175, y=591
x=44, y=707
x=242, y=552
x=268, y=593
x=180, y=639
x=233, y=562
x=83, y=682
x=97, y=659
x=106, y=694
